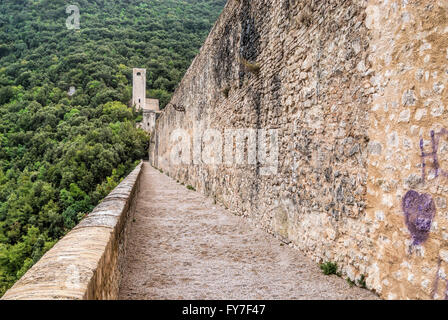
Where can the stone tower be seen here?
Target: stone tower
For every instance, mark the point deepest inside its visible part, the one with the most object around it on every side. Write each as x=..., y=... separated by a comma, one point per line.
x=139, y=88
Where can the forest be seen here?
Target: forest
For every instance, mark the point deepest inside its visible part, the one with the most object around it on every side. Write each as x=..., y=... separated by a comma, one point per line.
x=63, y=151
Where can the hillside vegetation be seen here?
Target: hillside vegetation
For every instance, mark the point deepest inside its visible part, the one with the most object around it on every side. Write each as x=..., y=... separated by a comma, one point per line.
x=60, y=154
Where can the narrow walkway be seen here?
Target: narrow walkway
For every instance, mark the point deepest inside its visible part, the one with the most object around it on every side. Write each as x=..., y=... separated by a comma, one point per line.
x=182, y=246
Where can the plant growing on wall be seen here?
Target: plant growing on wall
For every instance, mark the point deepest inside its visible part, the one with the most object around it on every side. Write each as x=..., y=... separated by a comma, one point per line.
x=250, y=66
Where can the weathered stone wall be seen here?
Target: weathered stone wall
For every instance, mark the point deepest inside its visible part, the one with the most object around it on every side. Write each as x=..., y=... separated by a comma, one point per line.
x=407, y=191
x=88, y=262
x=350, y=86
x=149, y=121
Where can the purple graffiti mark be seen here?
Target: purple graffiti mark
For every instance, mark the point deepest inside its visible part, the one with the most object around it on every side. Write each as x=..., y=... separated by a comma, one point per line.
x=419, y=210
x=435, y=139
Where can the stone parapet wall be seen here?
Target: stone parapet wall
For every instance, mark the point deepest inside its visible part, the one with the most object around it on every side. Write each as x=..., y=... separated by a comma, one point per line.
x=351, y=88
x=87, y=263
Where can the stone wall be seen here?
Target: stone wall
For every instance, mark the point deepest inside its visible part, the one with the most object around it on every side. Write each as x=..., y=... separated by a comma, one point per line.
x=350, y=87
x=407, y=188
x=88, y=262
x=149, y=121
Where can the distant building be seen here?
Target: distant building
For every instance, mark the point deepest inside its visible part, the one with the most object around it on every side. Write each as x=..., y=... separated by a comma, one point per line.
x=152, y=104
x=150, y=107
x=139, y=88
x=71, y=91
x=150, y=114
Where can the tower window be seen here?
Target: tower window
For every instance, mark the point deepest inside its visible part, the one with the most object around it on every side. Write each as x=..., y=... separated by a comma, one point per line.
x=139, y=74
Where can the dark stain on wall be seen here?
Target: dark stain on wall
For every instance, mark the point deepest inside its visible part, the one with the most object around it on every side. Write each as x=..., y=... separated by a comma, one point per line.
x=224, y=57
x=249, y=38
